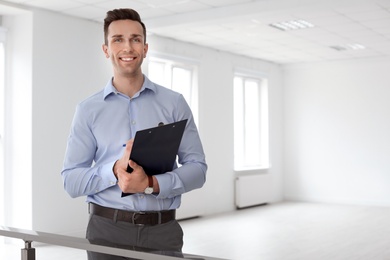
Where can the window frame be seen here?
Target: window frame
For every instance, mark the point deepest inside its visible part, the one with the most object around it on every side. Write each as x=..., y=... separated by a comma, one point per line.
x=171, y=62
x=2, y=120
x=240, y=124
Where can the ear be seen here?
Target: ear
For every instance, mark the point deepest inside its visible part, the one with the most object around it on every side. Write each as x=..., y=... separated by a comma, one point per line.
x=146, y=47
x=105, y=50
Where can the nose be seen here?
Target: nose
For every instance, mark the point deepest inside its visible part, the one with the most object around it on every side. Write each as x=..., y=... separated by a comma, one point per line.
x=128, y=46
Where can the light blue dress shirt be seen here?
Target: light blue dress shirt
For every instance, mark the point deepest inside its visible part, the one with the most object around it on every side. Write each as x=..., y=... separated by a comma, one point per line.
x=104, y=122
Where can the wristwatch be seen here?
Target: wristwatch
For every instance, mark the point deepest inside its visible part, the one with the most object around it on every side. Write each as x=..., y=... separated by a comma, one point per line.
x=149, y=189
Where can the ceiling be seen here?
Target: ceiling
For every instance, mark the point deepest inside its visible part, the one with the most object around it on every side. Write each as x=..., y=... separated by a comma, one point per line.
x=242, y=26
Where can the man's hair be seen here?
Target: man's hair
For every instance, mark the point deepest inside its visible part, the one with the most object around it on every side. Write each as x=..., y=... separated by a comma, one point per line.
x=122, y=14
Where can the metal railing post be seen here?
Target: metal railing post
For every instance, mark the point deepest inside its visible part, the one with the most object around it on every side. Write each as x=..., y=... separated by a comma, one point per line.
x=28, y=253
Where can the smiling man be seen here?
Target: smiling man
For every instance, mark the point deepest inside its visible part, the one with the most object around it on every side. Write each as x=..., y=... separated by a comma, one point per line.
x=95, y=160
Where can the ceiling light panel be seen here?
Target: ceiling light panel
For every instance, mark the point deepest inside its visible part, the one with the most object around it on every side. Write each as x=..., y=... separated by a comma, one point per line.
x=348, y=47
x=292, y=25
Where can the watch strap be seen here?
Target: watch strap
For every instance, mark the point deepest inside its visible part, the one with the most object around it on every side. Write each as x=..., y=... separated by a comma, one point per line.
x=150, y=178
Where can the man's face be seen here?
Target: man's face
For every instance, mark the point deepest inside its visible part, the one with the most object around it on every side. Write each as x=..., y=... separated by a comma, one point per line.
x=125, y=47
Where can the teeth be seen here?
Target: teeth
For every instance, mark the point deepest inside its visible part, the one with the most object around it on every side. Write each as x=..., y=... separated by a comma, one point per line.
x=127, y=59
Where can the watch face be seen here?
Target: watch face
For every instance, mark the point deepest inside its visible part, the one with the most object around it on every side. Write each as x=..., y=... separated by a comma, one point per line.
x=149, y=190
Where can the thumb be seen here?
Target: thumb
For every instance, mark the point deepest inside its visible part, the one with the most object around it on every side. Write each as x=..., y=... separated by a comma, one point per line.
x=133, y=164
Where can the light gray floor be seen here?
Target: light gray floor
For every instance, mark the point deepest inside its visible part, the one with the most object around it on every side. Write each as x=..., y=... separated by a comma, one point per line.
x=283, y=231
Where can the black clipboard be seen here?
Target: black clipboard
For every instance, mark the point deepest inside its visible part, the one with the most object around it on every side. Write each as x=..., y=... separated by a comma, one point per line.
x=155, y=149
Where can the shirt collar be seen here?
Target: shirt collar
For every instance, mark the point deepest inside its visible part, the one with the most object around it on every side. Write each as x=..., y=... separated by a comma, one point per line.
x=110, y=89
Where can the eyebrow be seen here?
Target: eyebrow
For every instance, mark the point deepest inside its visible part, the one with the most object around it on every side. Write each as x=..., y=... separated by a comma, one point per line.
x=121, y=35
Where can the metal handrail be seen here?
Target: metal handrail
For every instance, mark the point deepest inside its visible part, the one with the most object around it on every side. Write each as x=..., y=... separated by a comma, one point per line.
x=29, y=236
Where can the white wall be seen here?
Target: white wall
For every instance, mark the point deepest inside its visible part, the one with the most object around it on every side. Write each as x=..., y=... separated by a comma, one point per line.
x=337, y=131
x=68, y=65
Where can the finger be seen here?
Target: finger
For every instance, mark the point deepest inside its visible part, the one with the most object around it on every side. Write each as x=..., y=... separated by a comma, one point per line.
x=129, y=145
x=133, y=164
x=126, y=153
x=121, y=173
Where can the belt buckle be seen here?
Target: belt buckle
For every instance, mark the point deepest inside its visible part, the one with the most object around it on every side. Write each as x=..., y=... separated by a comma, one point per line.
x=134, y=216
x=159, y=217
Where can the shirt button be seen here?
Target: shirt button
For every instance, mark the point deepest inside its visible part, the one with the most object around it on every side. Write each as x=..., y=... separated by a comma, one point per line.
x=133, y=122
x=141, y=197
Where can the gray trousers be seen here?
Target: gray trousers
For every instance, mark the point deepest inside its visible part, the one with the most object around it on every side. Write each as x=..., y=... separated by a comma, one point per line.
x=164, y=238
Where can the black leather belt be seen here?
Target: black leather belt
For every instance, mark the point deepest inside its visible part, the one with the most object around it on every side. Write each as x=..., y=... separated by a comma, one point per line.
x=134, y=217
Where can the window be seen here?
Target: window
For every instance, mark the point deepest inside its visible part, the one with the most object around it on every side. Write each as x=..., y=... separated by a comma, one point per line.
x=178, y=76
x=2, y=114
x=250, y=123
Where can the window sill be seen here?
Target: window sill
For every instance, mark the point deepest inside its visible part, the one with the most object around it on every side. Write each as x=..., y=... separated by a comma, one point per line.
x=252, y=168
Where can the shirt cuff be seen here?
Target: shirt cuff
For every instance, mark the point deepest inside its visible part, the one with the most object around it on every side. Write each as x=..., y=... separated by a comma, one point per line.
x=164, y=181
x=107, y=174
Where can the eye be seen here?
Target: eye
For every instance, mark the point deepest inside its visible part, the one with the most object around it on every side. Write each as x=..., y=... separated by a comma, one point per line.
x=136, y=40
x=117, y=40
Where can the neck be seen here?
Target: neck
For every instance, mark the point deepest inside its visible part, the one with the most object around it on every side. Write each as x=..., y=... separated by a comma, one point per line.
x=128, y=85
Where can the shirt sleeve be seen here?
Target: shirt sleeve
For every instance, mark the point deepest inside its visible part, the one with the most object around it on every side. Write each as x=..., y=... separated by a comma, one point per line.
x=192, y=172
x=79, y=178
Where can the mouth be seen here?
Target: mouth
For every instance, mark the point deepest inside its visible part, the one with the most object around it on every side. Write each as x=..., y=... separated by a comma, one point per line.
x=127, y=59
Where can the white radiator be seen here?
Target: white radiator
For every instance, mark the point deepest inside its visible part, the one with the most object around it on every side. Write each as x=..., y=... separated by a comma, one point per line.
x=253, y=190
